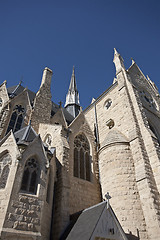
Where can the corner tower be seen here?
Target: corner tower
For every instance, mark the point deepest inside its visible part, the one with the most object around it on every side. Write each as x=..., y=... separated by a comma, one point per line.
x=127, y=156
x=72, y=103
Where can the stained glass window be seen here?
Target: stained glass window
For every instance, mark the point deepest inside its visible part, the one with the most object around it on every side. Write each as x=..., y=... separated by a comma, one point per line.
x=16, y=119
x=82, y=163
x=30, y=176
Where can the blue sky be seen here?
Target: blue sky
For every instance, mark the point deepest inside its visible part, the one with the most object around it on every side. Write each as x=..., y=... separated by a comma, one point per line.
x=62, y=33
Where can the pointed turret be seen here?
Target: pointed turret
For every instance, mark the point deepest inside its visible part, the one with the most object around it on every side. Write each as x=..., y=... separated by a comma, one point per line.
x=118, y=61
x=72, y=103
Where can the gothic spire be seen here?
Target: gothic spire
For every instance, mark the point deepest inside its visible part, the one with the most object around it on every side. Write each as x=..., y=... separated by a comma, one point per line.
x=72, y=86
x=72, y=104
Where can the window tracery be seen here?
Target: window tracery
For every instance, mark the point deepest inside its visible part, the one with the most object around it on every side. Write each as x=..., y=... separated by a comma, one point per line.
x=30, y=176
x=16, y=118
x=82, y=164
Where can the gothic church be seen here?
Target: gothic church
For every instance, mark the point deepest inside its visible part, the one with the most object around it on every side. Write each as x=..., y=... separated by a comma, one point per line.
x=72, y=174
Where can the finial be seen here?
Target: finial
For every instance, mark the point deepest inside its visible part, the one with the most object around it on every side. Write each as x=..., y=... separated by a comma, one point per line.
x=21, y=80
x=115, y=51
x=132, y=61
x=148, y=78
x=60, y=104
x=12, y=95
x=118, y=61
x=107, y=196
x=73, y=70
x=93, y=100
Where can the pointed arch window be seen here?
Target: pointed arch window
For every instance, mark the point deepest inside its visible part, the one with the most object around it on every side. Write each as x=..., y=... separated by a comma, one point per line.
x=82, y=159
x=16, y=118
x=30, y=176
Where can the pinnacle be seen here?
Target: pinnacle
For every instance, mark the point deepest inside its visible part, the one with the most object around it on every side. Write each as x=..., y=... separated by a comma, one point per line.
x=132, y=61
x=115, y=52
x=73, y=86
x=73, y=71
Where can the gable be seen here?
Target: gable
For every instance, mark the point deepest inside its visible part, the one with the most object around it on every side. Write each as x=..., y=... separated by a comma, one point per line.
x=97, y=222
x=139, y=80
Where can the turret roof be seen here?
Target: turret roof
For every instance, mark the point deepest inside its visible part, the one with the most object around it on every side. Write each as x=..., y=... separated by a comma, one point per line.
x=72, y=97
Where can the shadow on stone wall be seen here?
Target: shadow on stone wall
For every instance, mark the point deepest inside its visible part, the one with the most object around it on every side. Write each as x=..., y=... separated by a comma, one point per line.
x=130, y=236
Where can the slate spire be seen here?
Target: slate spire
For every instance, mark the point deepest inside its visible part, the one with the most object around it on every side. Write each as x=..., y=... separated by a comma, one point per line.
x=72, y=103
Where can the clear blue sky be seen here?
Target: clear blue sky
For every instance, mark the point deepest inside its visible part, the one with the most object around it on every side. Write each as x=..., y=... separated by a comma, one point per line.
x=62, y=33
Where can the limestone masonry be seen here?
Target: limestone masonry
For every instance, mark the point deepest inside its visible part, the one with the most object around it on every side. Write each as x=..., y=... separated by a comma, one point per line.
x=79, y=175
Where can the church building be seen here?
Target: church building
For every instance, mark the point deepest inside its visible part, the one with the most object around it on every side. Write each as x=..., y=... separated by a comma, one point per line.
x=68, y=173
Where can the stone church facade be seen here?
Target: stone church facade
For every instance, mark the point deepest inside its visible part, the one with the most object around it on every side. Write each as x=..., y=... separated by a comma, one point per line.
x=57, y=164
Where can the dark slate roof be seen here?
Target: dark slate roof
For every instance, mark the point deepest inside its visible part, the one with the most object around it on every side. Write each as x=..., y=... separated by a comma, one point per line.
x=25, y=135
x=86, y=223
x=69, y=118
x=16, y=90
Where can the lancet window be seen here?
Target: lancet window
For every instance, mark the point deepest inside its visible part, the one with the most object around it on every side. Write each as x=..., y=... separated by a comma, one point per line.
x=30, y=176
x=82, y=163
x=16, y=118
x=5, y=162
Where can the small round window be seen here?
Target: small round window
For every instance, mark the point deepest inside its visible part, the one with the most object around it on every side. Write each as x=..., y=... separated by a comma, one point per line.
x=107, y=104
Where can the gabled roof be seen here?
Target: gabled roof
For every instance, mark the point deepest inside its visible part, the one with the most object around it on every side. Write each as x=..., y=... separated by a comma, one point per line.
x=25, y=135
x=97, y=221
x=69, y=118
x=16, y=90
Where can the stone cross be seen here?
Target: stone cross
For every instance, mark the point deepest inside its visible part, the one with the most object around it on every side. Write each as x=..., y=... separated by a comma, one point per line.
x=107, y=196
x=60, y=104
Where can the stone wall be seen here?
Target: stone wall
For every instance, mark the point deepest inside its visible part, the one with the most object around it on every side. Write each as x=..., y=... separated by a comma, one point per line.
x=83, y=193
x=8, y=146
x=42, y=103
x=117, y=169
x=72, y=194
x=118, y=178
x=29, y=215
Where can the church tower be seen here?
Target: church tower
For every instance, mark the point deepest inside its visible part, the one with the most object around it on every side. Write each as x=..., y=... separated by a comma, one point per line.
x=127, y=115
x=72, y=104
